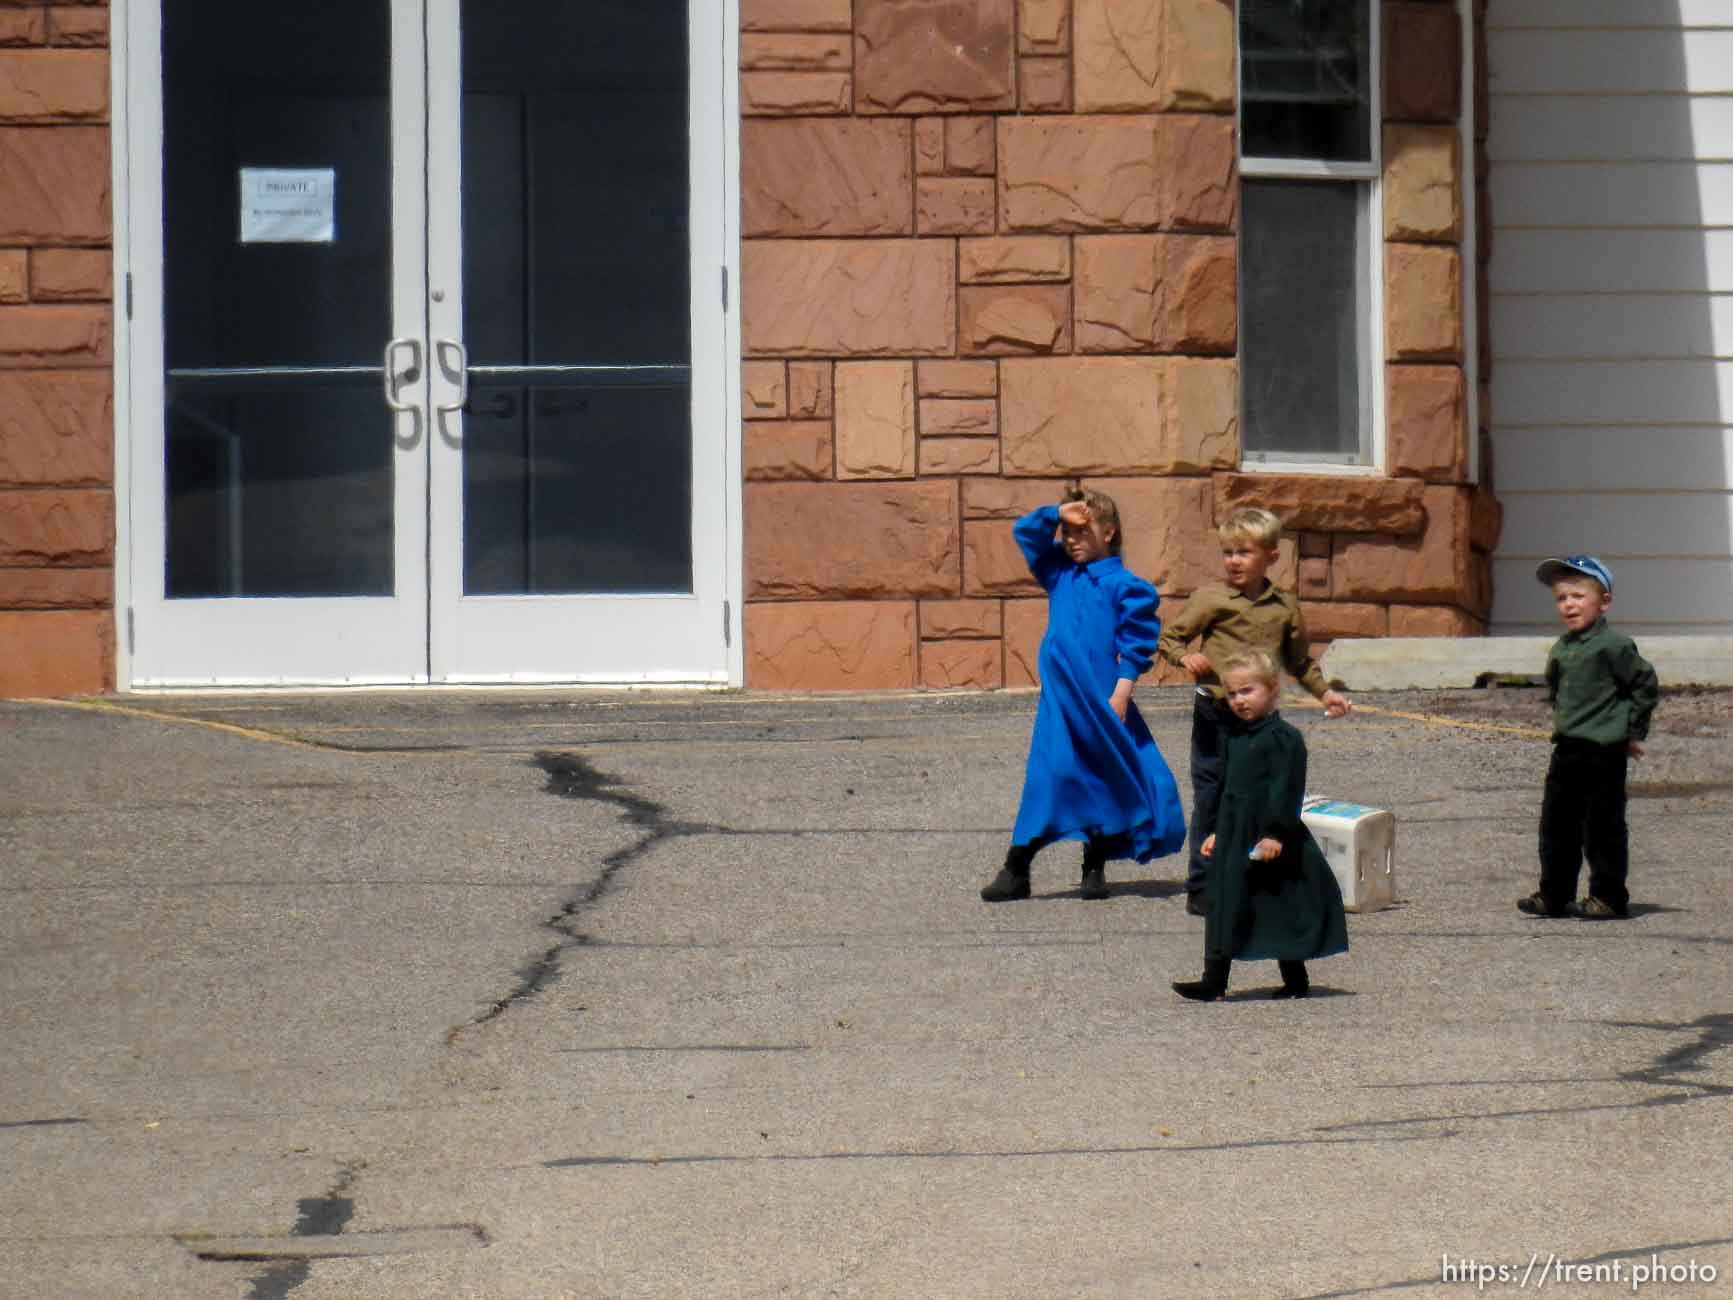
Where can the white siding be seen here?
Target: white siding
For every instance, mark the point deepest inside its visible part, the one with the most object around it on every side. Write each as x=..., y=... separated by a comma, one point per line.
x=1616, y=194
x=1566, y=326
x=1550, y=14
x=1612, y=304
x=1572, y=61
x=1547, y=128
x=1638, y=458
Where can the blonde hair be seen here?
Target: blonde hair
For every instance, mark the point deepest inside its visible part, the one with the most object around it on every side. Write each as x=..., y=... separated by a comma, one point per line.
x=1104, y=509
x=1260, y=662
x=1253, y=523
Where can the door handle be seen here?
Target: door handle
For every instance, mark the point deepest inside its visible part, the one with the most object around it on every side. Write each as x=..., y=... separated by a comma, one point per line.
x=395, y=381
x=456, y=374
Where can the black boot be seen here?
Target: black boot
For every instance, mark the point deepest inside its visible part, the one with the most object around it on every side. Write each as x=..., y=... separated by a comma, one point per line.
x=1295, y=982
x=1213, y=984
x=1012, y=882
x=1094, y=872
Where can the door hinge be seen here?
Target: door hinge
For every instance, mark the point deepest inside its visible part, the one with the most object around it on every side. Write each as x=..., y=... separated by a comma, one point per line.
x=727, y=627
x=725, y=288
x=131, y=632
x=129, y=295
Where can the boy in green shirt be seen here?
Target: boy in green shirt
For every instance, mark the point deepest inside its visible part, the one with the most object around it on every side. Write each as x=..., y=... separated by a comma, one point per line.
x=1603, y=693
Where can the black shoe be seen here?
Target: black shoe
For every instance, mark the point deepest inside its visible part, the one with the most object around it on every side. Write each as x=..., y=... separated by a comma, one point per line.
x=1595, y=909
x=1195, y=905
x=1006, y=886
x=1094, y=883
x=1213, y=984
x=1536, y=905
x=1197, y=990
x=1295, y=982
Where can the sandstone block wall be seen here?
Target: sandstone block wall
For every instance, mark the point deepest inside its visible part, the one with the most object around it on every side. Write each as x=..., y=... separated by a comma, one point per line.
x=991, y=246
x=56, y=331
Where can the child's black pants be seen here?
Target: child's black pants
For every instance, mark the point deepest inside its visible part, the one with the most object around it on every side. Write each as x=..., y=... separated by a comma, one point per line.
x=1211, y=720
x=1583, y=811
x=1021, y=857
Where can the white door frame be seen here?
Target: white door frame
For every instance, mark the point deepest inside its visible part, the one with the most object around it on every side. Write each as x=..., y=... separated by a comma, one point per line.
x=164, y=644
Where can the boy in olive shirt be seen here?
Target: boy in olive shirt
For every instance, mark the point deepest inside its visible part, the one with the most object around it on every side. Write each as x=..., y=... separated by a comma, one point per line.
x=1603, y=693
x=1246, y=612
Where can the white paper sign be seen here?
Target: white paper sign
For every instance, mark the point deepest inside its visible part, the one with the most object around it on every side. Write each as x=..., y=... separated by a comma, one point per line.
x=284, y=206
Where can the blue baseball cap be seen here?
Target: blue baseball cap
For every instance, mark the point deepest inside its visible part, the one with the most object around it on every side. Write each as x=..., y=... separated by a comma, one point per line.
x=1585, y=566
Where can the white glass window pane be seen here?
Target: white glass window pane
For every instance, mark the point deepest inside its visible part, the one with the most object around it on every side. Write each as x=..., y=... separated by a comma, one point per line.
x=1306, y=79
x=1304, y=321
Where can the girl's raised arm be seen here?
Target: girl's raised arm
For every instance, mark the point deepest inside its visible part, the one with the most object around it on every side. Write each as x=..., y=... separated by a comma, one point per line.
x=1035, y=534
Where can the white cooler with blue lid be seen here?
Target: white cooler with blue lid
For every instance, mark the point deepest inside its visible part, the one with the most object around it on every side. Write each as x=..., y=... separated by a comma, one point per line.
x=1360, y=845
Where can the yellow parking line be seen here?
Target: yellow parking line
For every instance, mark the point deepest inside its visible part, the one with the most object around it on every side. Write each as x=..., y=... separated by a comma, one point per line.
x=152, y=715
x=1433, y=719
x=294, y=742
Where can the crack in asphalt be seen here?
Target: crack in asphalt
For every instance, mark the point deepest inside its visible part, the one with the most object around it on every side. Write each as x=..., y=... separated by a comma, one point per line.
x=572, y=776
x=1714, y=1033
x=317, y=1216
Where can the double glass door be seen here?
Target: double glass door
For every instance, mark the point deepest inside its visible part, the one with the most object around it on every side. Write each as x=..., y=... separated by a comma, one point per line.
x=426, y=351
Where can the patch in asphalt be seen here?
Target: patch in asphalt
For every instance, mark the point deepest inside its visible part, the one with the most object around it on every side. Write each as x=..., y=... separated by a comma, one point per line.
x=1036, y=1153
x=349, y=1245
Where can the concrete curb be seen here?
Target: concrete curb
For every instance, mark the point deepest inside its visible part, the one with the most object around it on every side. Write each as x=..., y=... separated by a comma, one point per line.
x=1433, y=663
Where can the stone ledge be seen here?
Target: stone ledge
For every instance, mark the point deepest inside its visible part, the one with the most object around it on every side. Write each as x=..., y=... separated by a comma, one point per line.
x=1433, y=663
x=1328, y=503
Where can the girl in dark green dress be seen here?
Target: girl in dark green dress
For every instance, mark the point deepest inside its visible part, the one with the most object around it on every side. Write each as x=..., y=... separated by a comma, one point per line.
x=1270, y=893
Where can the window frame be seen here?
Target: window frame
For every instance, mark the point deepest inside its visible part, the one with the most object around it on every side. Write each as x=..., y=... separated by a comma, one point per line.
x=1369, y=175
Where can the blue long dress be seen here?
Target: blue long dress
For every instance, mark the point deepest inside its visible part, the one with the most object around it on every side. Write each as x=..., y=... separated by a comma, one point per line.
x=1091, y=776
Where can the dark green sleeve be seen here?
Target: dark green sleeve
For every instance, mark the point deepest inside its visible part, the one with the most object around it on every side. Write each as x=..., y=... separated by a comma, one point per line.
x=1637, y=682
x=1286, y=775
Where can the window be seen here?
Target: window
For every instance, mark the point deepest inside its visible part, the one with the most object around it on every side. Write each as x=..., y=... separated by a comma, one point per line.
x=1309, y=244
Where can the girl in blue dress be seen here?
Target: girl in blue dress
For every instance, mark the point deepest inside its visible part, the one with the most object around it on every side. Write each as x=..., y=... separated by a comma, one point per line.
x=1094, y=771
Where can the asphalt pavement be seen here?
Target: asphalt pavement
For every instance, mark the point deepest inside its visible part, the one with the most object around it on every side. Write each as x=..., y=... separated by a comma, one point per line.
x=662, y=994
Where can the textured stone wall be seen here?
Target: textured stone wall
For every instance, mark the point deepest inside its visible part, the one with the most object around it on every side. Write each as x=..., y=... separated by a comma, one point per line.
x=56, y=327
x=991, y=245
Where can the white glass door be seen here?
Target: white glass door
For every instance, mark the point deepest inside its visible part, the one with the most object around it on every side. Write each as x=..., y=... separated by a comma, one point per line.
x=278, y=218
x=426, y=367
x=575, y=303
